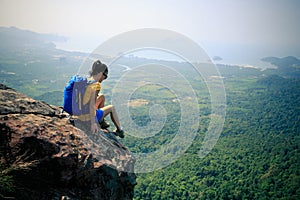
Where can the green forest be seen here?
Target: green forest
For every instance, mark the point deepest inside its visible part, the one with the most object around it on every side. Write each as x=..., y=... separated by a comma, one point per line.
x=256, y=156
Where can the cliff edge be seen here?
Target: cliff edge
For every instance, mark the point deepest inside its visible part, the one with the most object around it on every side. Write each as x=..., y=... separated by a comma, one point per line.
x=48, y=158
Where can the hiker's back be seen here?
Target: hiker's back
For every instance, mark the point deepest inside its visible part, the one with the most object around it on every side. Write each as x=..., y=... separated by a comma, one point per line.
x=73, y=96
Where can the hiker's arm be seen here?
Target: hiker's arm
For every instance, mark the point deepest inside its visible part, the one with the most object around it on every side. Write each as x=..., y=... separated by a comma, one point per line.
x=94, y=127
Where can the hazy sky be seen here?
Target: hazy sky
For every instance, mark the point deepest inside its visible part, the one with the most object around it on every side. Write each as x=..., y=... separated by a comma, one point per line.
x=231, y=29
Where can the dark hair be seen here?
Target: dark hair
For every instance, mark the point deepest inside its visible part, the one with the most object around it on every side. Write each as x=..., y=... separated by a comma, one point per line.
x=98, y=67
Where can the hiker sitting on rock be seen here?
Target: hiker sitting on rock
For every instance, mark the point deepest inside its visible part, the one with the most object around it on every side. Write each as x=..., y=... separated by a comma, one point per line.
x=98, y=74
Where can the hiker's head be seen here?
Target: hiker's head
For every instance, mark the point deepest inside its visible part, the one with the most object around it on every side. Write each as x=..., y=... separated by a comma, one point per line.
x=99, y=70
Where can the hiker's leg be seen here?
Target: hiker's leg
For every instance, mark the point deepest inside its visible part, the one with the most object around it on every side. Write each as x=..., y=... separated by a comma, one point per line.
x=99, y=104
x=110, y=109
x=100, y=101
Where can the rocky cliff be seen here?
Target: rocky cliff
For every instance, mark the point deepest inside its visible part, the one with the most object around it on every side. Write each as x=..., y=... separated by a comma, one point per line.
x=48, y=158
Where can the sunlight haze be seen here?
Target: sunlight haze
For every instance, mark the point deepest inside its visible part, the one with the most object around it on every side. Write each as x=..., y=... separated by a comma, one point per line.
x=237, y=31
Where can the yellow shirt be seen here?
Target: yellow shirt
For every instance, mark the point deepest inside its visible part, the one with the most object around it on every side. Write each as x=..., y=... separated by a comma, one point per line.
x=95, y=86
x=89, y=90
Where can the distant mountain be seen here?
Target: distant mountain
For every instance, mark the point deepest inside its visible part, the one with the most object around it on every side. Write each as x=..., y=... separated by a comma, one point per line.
x=15, y=37
x=289, y=61
x=217, y=58
x=25, y=45
x=288, y=66
x=30, y=61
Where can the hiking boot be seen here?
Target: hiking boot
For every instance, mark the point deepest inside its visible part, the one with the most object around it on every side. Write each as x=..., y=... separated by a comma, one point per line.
x=71, y=121
x=119, y=132
x=104, y=124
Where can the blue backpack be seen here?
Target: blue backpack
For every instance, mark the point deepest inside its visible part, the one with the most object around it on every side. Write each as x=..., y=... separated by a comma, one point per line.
x=73, y=96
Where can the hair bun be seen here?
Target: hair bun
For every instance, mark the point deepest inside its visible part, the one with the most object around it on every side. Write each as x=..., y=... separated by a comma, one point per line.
x=98, y=66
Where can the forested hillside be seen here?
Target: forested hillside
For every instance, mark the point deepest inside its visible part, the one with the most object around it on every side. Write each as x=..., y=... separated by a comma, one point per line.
x=257, y=156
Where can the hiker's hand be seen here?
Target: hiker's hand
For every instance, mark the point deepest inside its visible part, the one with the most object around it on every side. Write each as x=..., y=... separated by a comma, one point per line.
x=94, y=128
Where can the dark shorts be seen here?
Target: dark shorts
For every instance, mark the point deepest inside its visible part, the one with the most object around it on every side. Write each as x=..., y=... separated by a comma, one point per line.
x=99, y=115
